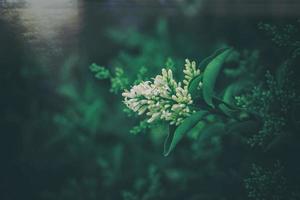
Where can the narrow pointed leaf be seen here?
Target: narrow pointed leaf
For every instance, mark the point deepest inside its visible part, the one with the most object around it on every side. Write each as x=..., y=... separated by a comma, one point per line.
x=207, y=60
x=194, y=85
x=210, y=75
x=169, y=137
x=181, y=130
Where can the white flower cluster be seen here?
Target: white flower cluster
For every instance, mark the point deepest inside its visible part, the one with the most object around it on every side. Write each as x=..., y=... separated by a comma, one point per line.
x=164, y=98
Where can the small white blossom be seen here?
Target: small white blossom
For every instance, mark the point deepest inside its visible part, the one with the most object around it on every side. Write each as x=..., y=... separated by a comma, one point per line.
x=163, y=98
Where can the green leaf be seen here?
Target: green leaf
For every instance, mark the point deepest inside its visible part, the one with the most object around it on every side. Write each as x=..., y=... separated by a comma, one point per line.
x=99, y=71
x=194, y=85
x=176, y=134
x=210, y=75
x=197, y=130
x=207, y=60
x=234, y=89
x=228, y=98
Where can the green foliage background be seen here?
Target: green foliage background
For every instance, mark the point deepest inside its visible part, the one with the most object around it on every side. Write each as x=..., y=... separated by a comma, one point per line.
x=68, y=137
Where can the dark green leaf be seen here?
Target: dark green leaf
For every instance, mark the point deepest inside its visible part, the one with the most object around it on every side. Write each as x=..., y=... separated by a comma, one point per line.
x=210, y=75
x=181, y=130
x=230, y=92
x=194, y=85
x=228, y=97
x=207, y=60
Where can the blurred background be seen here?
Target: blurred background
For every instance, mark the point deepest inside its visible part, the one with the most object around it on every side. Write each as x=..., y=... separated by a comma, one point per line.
x=64, y=134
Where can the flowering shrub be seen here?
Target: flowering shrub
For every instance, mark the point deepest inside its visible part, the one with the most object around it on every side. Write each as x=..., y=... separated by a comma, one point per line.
x=226, y=107
x=181, y=104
